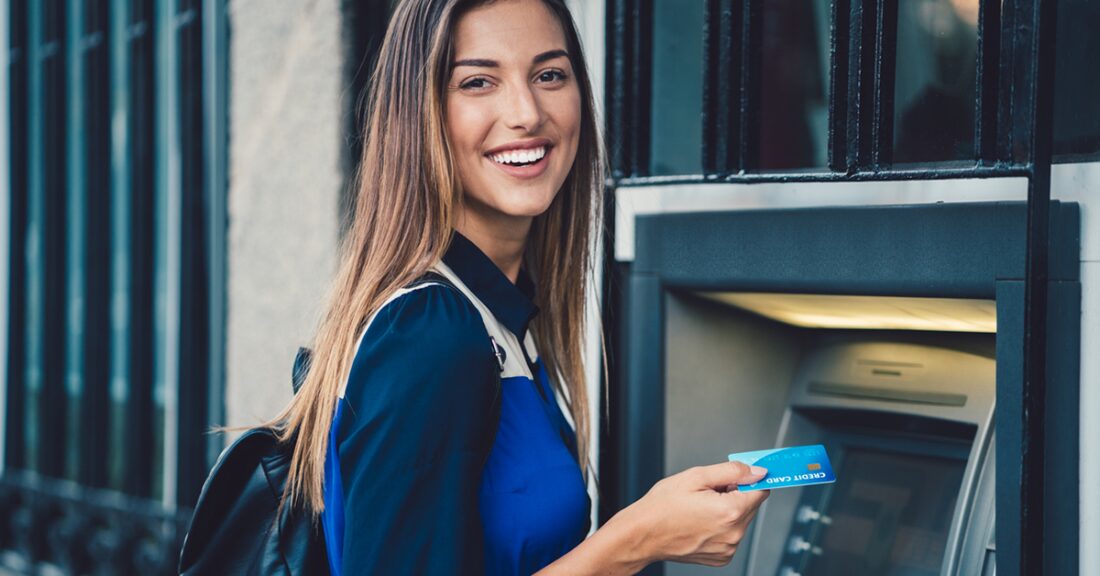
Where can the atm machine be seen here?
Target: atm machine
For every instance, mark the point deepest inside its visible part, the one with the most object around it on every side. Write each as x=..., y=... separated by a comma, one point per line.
x=908, y=428
x=886, y=333
x=906, y=417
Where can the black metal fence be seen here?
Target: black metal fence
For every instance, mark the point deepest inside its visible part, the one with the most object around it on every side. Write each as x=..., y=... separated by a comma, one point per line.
x=109, y=369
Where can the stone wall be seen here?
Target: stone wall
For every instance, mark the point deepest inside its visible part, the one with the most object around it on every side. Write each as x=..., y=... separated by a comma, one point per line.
x=286, y=91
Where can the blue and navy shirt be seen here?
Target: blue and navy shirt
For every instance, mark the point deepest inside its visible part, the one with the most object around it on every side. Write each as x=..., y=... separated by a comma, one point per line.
x=449, y=451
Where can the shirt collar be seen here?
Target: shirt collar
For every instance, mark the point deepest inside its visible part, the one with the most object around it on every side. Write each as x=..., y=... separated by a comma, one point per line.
x=511, y=304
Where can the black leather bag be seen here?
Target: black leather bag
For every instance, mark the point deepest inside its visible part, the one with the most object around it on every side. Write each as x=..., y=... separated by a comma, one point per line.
x=233, y=529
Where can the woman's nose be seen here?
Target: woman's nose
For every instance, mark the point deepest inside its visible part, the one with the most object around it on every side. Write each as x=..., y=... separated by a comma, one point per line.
x=522, y=111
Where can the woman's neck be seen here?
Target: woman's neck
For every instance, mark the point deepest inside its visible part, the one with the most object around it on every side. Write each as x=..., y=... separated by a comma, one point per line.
x=503, y=242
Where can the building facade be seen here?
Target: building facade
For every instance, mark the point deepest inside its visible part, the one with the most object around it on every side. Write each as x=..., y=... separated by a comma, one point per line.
x=177, y=175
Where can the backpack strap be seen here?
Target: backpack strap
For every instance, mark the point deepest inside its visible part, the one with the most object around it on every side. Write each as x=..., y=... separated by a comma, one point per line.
x=439, y=276
x=501, y=338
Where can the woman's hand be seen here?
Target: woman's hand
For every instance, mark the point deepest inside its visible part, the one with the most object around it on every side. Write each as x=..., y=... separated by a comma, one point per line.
x=696, y=516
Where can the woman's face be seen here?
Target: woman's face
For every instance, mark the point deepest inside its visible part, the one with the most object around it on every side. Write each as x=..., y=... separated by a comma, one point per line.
x=513, y=111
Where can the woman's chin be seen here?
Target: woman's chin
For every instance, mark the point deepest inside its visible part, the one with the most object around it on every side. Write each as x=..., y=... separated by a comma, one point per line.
x=530, y=209
x=511, y=206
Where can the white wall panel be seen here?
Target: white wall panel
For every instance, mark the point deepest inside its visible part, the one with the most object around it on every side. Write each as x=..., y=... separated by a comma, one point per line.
x=1080, y=183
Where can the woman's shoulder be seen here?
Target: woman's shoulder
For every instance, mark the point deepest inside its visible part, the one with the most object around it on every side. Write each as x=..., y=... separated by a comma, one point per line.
x=425, y=329
x=432, y=309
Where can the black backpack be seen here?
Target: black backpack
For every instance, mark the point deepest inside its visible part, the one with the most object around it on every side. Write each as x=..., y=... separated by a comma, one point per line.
x=233, y=529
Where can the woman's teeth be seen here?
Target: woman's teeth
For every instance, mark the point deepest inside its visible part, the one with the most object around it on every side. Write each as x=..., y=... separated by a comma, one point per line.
x=519, y=156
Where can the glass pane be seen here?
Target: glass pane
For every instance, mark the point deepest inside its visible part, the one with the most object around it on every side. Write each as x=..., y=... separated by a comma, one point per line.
x=96, y=268
x=794, y=84
x=935, y=80
x=192, y=373
x=17, y=115
x=56, y=86
x=1076, y=83
x=676, y=137
x=133, y=255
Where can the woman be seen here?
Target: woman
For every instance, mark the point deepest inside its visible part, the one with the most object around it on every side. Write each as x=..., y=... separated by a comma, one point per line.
x=433, y=435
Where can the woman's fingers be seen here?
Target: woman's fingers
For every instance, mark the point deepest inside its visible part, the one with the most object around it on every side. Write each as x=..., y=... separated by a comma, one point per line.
x=744, y=505
x=752, y=499
x=721, y=476
x=695, y=517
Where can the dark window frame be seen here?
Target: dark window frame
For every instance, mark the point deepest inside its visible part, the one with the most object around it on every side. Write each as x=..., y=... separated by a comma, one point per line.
x=51, y=405
x=141, y=44
x=195, y=328
x=14, y=420
x=93, y=58
x=861, y=98
x=96, y=283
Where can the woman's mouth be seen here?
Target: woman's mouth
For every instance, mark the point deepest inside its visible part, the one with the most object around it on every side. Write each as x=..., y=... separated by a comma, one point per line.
x=524, y=163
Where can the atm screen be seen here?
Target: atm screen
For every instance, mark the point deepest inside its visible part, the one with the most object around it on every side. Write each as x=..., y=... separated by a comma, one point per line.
x=887, y=515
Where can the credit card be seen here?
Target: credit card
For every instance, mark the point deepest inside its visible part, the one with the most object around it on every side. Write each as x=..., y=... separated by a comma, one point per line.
x=788, y=467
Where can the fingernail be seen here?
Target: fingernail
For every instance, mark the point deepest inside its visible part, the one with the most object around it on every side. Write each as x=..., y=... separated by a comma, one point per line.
x=758, y=471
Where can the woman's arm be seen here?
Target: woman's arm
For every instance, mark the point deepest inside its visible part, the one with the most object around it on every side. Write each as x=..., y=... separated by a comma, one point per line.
x=696, y=516
x=419, y=424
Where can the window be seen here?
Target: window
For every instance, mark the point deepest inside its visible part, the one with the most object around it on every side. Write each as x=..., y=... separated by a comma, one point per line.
x=113, y=267
x=739, y=90
x=934, y=80
x=677, y=77
x=1077, y=85
x=794, y=85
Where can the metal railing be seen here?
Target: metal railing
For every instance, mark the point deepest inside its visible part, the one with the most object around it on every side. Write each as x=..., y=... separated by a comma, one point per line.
x=117, y=193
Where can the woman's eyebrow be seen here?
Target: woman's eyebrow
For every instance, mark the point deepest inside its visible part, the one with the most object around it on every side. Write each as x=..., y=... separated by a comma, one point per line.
x=477, y=63
x=550, y=55
x=485, y=63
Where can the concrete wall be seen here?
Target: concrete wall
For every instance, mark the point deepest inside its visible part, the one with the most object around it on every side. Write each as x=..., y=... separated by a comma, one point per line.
x=286, y=85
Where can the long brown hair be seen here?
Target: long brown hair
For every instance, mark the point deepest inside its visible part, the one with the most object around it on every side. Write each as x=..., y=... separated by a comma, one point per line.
x=407, y=193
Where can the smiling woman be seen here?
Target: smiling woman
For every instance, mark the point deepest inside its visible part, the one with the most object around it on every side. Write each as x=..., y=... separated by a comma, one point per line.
x=443, y=425
x=513, y=116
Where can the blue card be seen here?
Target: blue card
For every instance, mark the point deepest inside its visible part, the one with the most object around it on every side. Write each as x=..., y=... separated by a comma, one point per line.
x=788, y=467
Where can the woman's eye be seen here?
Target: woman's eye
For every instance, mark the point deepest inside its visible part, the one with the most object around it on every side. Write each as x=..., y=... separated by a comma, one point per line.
x=552, y=76
x=474, y=84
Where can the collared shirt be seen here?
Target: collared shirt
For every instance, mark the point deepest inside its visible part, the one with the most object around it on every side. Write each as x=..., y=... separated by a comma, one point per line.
x=449, y=451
